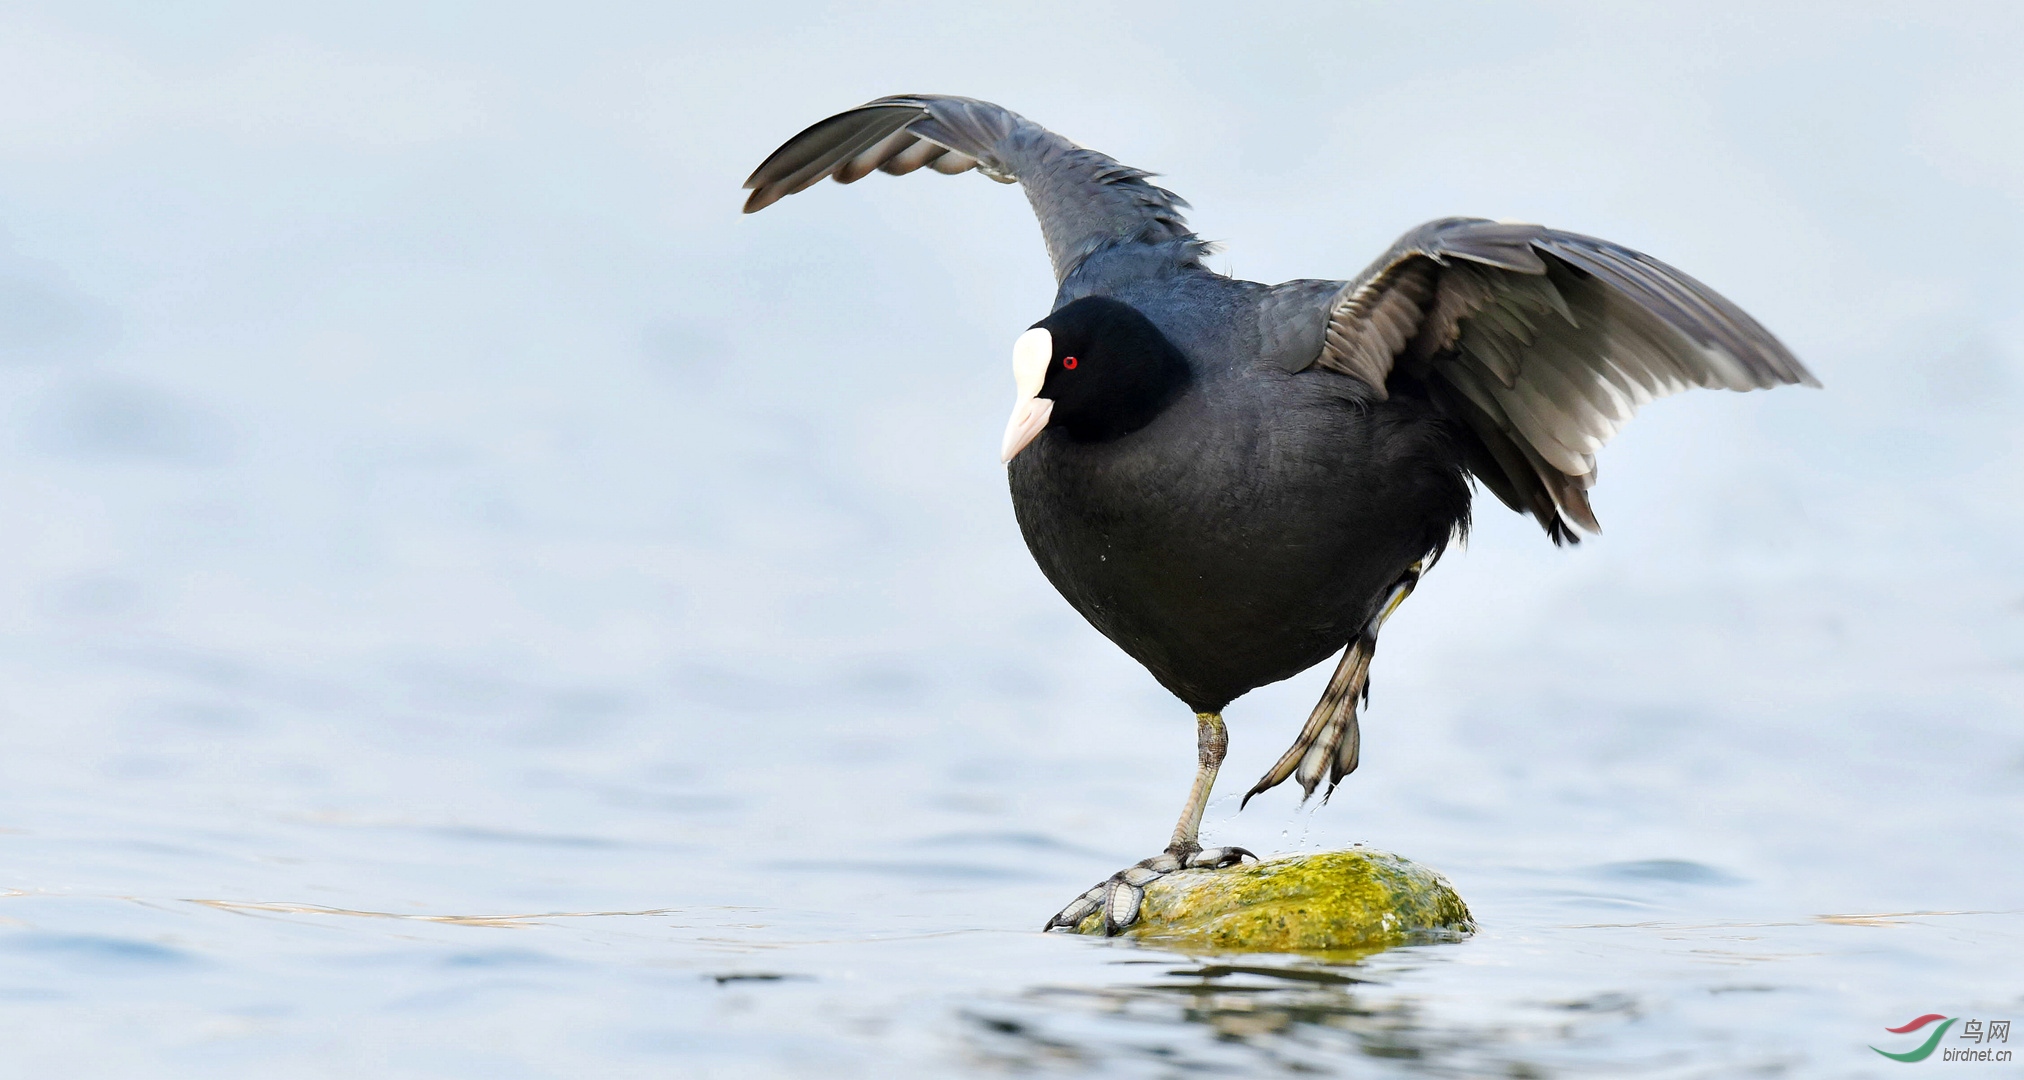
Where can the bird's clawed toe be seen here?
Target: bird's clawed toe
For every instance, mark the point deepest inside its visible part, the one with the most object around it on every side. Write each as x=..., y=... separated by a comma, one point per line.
x=1080, y=908
x=1121, y=895
x=1216, y=858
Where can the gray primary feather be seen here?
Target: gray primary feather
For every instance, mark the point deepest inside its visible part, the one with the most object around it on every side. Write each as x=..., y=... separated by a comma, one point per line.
x=1085, y=201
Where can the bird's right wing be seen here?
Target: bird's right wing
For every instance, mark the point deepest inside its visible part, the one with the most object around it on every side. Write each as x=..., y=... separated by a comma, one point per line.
x=1085, y=201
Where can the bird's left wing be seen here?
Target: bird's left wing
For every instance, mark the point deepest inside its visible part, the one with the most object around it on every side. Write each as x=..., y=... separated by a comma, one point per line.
x=1541, y=344
x=1085, y=201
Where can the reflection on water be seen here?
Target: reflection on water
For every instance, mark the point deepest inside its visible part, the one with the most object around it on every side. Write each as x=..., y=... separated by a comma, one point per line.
x=1175, y=1016
x=1286, y=1015
x=1296, y=1017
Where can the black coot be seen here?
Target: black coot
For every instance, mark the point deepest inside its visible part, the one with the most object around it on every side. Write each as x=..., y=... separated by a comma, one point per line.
x=1233, y=481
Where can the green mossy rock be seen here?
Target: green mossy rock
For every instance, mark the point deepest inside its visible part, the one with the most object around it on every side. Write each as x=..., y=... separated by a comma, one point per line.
x=1356, y=901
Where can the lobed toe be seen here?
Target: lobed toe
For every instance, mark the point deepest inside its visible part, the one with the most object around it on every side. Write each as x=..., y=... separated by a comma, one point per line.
x=1121, y=908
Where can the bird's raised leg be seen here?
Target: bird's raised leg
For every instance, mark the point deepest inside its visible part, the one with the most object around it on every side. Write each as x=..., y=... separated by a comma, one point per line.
x=1120, y=895
x=1329, y=742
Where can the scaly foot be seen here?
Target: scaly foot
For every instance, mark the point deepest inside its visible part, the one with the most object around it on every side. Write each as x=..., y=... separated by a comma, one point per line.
x=1120, y=896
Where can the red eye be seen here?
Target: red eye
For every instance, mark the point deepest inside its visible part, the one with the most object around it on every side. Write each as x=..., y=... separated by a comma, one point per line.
x=1068, y=362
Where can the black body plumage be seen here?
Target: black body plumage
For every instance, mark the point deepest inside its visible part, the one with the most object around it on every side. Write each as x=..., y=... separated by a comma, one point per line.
x=1248, y=530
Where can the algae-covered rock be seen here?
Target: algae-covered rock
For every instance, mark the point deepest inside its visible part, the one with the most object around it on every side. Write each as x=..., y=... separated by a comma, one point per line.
x=1336, y=901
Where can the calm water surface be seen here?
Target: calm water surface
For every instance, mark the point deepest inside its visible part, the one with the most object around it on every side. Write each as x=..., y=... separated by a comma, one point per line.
x=258, y=865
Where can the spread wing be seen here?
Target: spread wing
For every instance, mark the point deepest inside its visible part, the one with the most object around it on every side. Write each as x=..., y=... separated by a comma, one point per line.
x=1085, y=201
x=1542, y=344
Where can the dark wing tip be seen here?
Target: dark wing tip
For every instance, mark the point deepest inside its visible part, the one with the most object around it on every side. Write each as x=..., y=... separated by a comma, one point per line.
x=1085, y=201
x=827, y=145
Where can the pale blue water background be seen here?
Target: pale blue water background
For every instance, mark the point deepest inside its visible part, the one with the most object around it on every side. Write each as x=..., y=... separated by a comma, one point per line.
x=472, y=605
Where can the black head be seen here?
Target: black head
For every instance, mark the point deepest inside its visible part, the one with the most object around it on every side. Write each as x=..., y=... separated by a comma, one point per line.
x=1108, y=372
